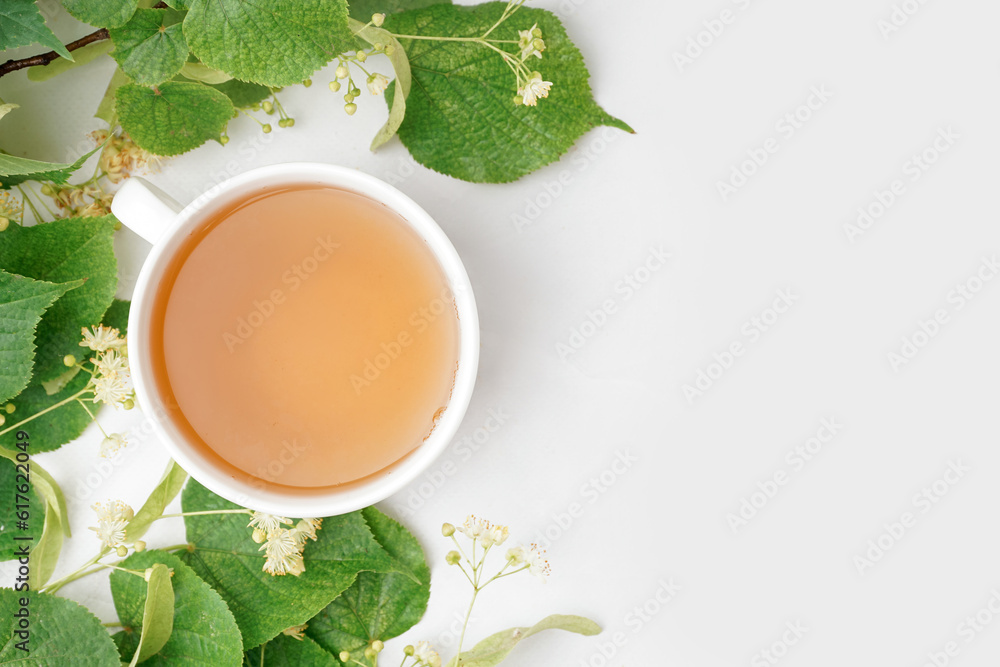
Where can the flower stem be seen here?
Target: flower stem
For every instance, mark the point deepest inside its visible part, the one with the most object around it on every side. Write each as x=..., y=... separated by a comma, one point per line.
x=465, y=625
x=92, y=417
x=27, y=200
x=48, y=409
x=54, y=586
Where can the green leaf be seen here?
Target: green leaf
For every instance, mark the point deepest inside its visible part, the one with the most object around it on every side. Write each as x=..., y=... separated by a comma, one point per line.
x=494, y=649
x=46, y=552
x=53, y=429
x=106, y=109
x=204, y=633
x=174, y=117
x=9, y=547
x=52, y=493
x=377, y=606
x=243, y=94
x=157, y=614
x=63, y=633
x=22, y=303
x=116, y=316
x=57, y=252
x=102, y=13
x=168, y=488
x=150, y=48
x=227, y=558
x=81, y=56
x=461, y=119
x=202, y=72
x=271, y=42
x=362, y=10
x=401, y=66
x=285, y=651
x=15, y=170
x=64, y=424
x=21, y=24
x=178, y=4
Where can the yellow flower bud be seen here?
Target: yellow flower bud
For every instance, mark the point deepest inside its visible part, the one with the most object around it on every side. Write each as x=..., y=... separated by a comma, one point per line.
x=342, y=72
x=334, y=86
x=361, y=56
x=453, y=558
x=378, y=19
x=9, y=408
x=69, y=360
x=447, y=530
x=350, y=108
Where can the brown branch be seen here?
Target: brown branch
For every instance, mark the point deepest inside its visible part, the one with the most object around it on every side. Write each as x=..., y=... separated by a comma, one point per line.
x=46, y=58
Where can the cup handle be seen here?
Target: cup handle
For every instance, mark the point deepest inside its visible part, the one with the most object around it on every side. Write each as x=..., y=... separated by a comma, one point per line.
x=144, y=208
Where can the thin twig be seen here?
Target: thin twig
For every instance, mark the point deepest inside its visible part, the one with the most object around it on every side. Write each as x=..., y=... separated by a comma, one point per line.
x=46, y=58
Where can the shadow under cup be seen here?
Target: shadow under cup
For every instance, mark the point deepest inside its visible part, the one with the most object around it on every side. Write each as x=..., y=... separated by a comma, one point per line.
x=267, y=490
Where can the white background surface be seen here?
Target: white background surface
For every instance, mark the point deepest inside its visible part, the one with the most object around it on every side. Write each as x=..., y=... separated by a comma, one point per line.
x=665, y=517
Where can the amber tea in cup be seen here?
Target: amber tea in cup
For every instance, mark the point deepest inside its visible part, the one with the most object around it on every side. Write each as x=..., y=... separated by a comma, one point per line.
x=305, y=336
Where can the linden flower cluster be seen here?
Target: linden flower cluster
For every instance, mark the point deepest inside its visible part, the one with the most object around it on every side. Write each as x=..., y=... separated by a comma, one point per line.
x=121, y=157
x=10, y=209
x=282, y=546
x=530, y=86
x=375, y=83
x=109, y=380
x=113, y=518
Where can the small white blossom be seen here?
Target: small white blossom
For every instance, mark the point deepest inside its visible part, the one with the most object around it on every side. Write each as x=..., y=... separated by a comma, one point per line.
x=101, y=338
x=534, y=89
x=377, y=83
x=426, y=656
x=283, y=556
x=112, y=520
x=474, y=528
x=111, y=444
x=496, y=535
x=532, y=557
x=530, y=42
x=110, y=363
x=110, y=389
x=306, y=529
x=269, y=523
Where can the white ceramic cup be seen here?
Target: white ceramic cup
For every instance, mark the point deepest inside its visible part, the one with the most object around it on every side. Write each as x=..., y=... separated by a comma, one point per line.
x=163, y=222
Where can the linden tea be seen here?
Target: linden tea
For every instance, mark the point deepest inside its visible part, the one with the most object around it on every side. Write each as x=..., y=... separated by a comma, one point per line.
x=306, y=337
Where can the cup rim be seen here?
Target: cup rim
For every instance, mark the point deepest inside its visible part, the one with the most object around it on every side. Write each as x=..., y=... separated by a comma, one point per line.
x=305, y=502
